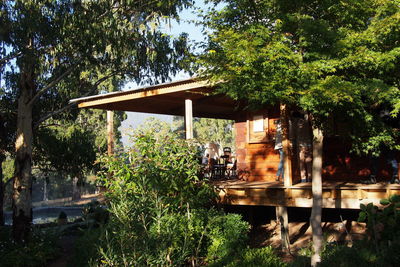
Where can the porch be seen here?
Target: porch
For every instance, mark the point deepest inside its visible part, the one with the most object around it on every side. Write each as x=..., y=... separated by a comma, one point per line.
x=255, y=153
x=338, y=195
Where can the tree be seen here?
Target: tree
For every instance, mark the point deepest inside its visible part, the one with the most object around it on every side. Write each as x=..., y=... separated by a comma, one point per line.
x=52, y=51
x=208, y=130
x=334, y=59
x=158, y=128
x=81, y=141
x=7, y=133
x=214, y=130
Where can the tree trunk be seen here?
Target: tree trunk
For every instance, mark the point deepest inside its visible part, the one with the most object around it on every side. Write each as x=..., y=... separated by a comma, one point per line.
x=76, y=188
x=316, y=212
x=2, y=158
x=22, y=187
x=45, y=189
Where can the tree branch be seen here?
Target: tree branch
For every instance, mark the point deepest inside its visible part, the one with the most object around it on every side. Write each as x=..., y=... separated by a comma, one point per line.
x=50, y=125
x=70, y=105
x=9, y=57
x=51, y=84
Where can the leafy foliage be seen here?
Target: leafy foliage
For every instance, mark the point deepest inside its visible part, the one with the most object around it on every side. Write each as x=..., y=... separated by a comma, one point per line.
x=166, y=165
x=380, y=248
x=258, y=257
x=334, y=59
x=215, y=130
x=77, y=48
x=384, y=224
x=41, y=248
x=71, y=147
x=208, y=130
x=158, y=214
x=95, y=213
x=8, y=169
x=53, y=51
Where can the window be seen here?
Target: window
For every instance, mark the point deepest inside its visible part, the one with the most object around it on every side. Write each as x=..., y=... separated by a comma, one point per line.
x=258, y=123
x=257, y=128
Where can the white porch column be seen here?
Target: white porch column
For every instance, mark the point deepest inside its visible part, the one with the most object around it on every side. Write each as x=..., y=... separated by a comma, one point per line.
x=189, y=119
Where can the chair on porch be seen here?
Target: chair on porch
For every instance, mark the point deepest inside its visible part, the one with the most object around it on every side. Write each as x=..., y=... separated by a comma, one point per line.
x=231, y=170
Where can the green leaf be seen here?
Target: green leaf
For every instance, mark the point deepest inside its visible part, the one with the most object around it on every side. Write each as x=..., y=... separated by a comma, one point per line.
x=362, y=216
x=384, y=202
x=395, y=198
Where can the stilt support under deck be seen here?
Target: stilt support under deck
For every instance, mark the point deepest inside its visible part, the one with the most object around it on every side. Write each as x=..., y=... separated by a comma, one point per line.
x=282, y=219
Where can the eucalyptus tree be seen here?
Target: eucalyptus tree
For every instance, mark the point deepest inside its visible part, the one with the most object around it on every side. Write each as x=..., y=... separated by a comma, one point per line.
x=207, y=130
x=214, y=130
x=71, y=147
x=52, y=51
x=333, y=59
x=7, y=133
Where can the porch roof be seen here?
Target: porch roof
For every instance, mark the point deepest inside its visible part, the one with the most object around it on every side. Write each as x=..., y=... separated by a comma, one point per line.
x=167, y=98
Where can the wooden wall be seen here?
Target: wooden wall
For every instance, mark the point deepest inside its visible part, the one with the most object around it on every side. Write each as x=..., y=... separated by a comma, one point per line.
x=259, y=161
x=256, y=161
x=341, y=165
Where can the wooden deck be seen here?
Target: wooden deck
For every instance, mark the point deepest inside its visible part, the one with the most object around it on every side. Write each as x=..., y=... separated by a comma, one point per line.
x=335, y=194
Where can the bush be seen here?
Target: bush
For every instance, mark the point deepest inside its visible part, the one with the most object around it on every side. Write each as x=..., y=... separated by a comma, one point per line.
x=341, y=255
x=380, y=248
x=257, y=257
x=227, y=237
x=85, y=248
x=160, y=211
x=165, y=167
x=95, y=213
x=41, y=248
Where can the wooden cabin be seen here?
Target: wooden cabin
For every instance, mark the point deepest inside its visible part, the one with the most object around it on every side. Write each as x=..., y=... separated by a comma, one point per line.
x=257, y=160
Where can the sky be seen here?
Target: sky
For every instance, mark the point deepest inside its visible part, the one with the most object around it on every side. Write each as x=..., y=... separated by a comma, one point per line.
x=135, y=118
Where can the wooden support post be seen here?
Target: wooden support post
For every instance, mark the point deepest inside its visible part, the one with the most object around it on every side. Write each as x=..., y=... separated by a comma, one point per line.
x=110, y=132
x=251, y=216
x=334, y=193
x=287, y=177
x=188, y=119
x=388, y=192
x=360, y=194
x=282, y=219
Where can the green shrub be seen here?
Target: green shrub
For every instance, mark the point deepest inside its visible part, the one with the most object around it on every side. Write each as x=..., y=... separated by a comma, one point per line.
x=380, y=248
x=167, y=167
x=158, y=209
x=85, y=248
x=382, y=224
x=41, y=248
x=227, y=237
x=341, y=255
x=257, y=257
x=95, y=213
x=144, y=233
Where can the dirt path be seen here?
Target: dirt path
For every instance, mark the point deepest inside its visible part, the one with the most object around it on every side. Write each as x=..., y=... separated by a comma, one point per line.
x=301, y=234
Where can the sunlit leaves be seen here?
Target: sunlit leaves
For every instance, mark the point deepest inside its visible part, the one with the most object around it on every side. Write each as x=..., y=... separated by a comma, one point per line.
x=335, y=59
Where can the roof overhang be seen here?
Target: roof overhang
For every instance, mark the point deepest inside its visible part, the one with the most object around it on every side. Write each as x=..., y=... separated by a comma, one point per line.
x=167, y=98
